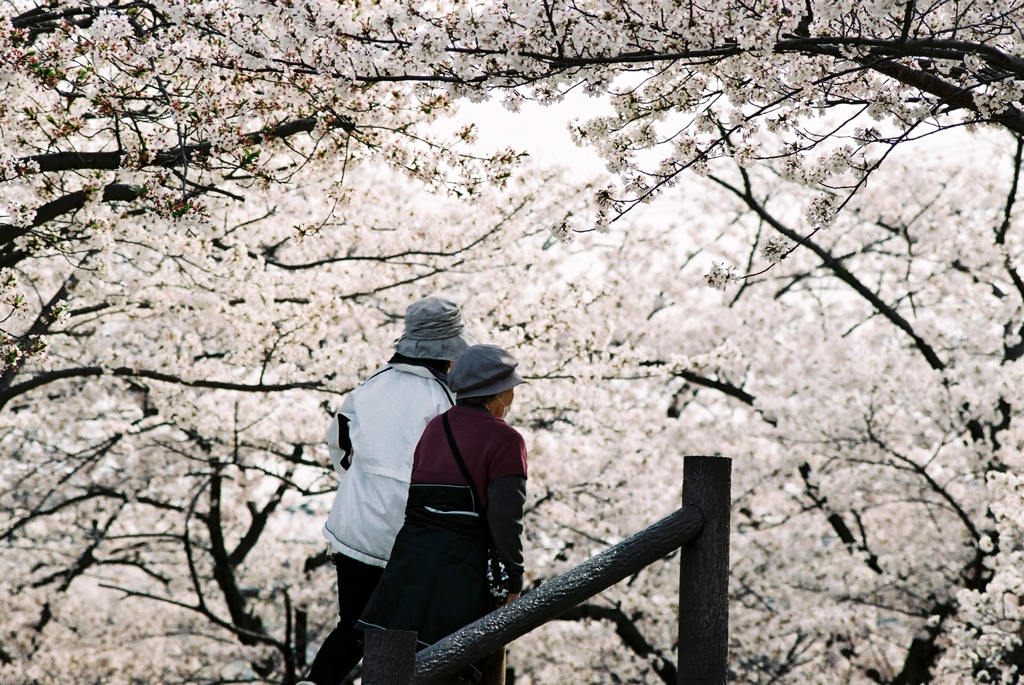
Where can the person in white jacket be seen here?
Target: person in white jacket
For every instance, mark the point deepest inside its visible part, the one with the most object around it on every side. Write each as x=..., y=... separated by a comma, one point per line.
x=371, y=443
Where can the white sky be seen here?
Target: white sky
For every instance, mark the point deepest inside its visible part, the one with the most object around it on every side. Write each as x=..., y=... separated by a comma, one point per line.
x=540, y=131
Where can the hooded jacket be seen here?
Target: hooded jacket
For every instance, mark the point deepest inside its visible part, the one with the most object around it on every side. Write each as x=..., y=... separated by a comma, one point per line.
x=386, y=416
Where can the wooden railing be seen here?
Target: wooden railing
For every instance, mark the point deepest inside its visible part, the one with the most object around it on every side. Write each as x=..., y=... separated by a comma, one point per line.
x=700, y=528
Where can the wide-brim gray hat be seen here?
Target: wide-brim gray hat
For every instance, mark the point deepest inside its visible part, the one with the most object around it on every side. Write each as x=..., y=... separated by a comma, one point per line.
x=483, y=370
x=434, y=330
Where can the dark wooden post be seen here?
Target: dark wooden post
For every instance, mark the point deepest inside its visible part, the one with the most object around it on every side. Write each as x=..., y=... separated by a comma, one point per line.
x=389, y=657
x=301, y=638
x=704, y=575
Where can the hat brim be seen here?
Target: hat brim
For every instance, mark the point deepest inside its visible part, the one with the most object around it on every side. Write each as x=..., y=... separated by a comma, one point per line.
x=448, y=349
x=498, y=385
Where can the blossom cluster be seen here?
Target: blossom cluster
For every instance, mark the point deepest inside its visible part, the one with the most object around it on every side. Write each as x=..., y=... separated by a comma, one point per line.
x=215, y=212
x=720, y=276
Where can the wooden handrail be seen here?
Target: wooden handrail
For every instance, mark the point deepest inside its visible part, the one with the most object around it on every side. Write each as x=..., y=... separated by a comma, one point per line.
x=700, y=527
x=555, y=597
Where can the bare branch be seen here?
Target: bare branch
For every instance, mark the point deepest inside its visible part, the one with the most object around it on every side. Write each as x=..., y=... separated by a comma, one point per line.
x=48, y=377
x=627, y=629
x=73, y=160
x=837, y=268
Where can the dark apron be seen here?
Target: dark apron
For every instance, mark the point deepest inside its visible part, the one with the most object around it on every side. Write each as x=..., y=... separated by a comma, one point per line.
x=435, y=580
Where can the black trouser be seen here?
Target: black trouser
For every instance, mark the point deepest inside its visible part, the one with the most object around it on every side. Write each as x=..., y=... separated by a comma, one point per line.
x=343, y=648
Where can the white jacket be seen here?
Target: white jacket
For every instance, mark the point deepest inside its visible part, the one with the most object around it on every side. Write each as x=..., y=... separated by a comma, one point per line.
x=387, y=415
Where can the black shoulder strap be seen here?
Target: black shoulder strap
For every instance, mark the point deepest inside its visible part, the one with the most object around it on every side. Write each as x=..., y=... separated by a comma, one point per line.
x=494, y=561
x=458, y=460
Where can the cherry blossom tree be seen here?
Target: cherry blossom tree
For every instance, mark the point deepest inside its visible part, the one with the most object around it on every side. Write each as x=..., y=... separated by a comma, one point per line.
x=184, y=476
x=877, y=495
x=215, y=213
x=115, y=87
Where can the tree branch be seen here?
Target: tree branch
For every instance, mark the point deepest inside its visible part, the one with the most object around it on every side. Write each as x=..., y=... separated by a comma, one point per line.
x=223, y=573
x=932, y=483
x=836, y=267
x=48, y=377
x=254, y=638
x=1012, y=352
x=836, y=520
x=923, y=651
x=908, y=20
x=85, y=560
x=259, y=522
x=626, y=628
x=952, y=95
x=42, y=324
x=91, y=493
x=72, y=160
x=721, y=386
x=115, y=192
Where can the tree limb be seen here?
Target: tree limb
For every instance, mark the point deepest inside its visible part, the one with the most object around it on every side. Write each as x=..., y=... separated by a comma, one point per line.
x=259, y=522
x=115, y=192
x=721, y=386
x=835, y=519
x=626, y=628
x=73, y=160
x=48, y=377
x=836, y=267
x=90, y=493
x=223, y=573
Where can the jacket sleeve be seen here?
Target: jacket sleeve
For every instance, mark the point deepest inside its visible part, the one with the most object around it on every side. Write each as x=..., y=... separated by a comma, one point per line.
x=506, y=497
x=339, y=444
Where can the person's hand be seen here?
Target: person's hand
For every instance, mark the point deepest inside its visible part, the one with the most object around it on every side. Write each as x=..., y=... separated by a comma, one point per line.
x=511, y=597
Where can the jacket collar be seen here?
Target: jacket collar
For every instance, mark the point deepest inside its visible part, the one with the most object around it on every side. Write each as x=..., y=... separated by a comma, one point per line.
x=418, y=371
x=421, y=367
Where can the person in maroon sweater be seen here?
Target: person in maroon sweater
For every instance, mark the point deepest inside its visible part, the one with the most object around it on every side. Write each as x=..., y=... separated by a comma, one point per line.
x=466, y=498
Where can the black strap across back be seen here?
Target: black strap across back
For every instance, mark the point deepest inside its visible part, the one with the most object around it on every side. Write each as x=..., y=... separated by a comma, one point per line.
x=496, y=566
x=478, y=504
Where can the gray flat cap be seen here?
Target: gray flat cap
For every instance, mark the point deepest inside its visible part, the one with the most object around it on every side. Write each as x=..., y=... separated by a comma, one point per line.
x=434, y=330
x=484, y=370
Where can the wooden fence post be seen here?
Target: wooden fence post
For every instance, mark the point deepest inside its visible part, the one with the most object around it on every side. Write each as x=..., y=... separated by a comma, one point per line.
x=389, y=657
x=704, y=575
